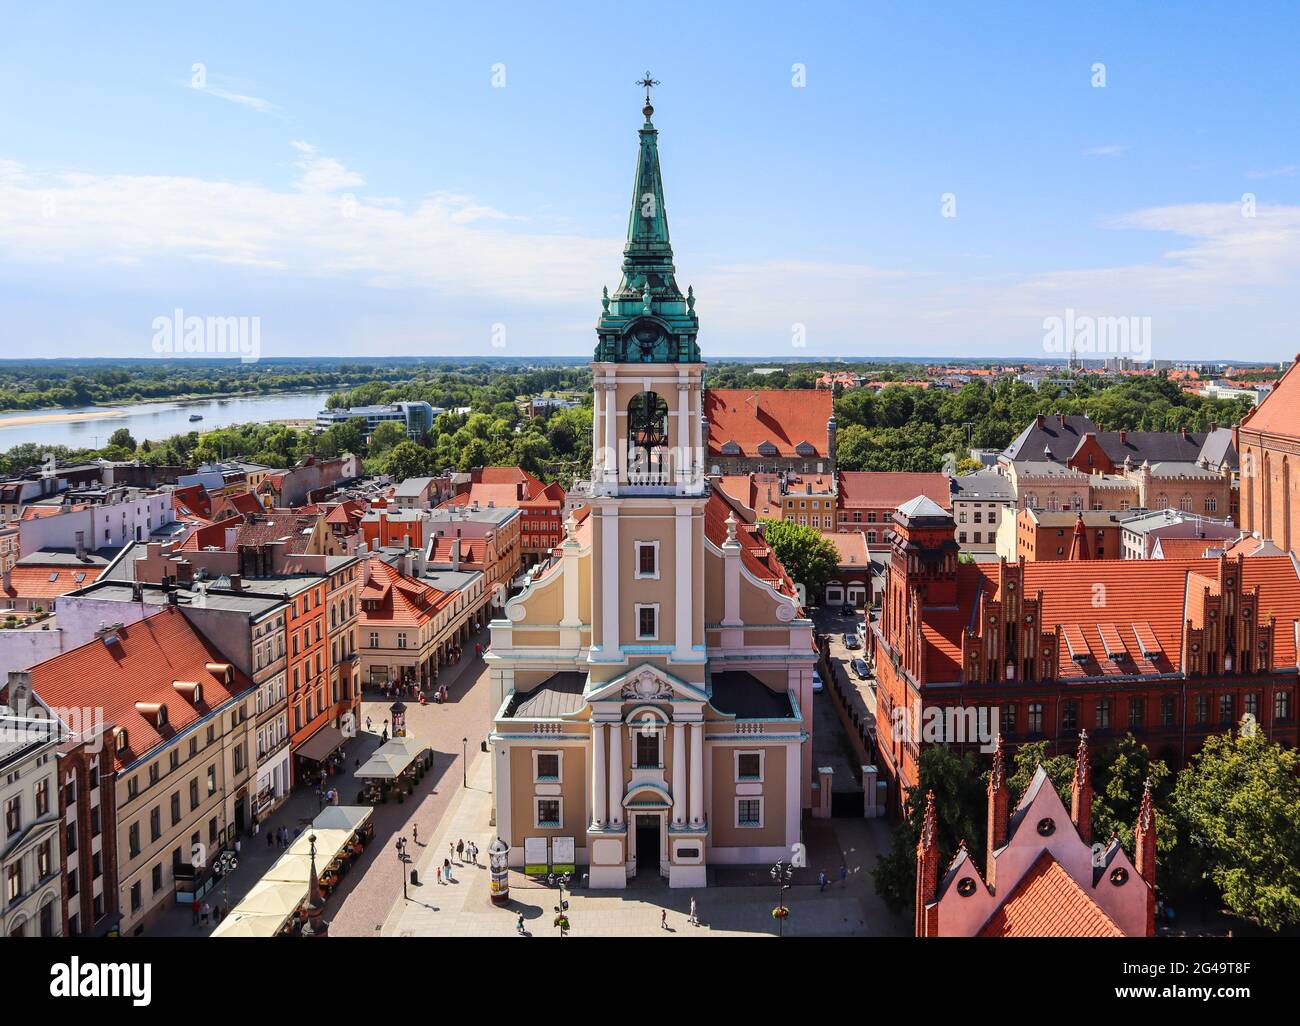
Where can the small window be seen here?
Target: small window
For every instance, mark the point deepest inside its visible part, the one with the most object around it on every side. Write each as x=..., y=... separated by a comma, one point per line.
x=647, y=623
x=548, y=812
x=749, y=765
x=647, y=560
x=547, y=766
x=749, y=812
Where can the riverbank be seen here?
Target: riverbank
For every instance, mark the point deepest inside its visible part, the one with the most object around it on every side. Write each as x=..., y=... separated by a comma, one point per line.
x=48, y=414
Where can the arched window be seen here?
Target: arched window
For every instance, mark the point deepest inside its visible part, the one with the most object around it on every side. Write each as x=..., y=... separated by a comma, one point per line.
x=1185, y=503
x=647, y=438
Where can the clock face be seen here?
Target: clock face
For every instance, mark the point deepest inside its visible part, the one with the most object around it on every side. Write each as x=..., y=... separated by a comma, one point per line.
x=647, y=336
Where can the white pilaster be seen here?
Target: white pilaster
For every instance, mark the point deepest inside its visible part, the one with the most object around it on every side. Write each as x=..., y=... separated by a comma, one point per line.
x=697, y=431
x=683, y=433
x=697, y=774
x=615, y=774
x=599, y=773
x=611, y=430
x=609, y=557
x=679, y=773
x=682, y=643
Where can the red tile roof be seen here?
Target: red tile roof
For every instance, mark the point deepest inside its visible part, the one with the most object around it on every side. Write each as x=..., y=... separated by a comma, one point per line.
x=784, y=417
x=1279, y=413
x=755, y=554
x=49, y=582
x=1047, y=902
x=1143, y=599
x=1186, y=548
x=473, y=551
x=390, y=598
x=142, y=665
x=852, y=547
x=889, y=490
x=192, y=500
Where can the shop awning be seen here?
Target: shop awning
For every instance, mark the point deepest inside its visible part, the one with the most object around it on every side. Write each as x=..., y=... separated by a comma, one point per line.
x=321, y=745
x=391, y=758
x=244, y=924
x=269, y=905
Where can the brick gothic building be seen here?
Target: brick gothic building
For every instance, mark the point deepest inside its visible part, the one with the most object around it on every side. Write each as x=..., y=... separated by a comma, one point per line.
x=1268, y=440
x=1042, y=877
x=1171, y=649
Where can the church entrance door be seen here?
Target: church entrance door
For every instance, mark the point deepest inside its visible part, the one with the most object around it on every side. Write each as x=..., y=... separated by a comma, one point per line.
x=648, y=842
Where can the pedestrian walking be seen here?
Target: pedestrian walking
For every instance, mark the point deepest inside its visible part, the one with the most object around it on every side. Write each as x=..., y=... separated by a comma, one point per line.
x=519, y=924
x=195, y=906
x=460, y=850
x=822, y=881
x=367, y=724
x=695, y=919
x=663, y=919
x=451, y=850
x=415, y=833
x=473, y=852
x=204, y=912
x=446, y=868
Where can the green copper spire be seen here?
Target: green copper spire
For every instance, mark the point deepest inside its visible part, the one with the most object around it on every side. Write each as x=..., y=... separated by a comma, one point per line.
x=648, y=320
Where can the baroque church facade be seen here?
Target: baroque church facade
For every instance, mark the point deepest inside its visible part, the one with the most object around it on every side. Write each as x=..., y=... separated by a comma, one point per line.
x=652, y=682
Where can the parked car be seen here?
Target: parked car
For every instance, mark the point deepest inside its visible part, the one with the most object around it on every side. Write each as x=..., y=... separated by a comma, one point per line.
x=860, y=668
x=848, y=610
x=817, y=683
x=851, y=641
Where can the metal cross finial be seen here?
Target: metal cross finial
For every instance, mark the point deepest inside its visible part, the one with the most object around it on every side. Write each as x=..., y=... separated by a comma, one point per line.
x=647, y=84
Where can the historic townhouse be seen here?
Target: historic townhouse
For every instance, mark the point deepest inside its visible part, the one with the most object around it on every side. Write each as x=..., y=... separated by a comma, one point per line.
x=653, y=681
x=31, y=904
x=179, y=754
x=1268, y=440
x=1170, y=649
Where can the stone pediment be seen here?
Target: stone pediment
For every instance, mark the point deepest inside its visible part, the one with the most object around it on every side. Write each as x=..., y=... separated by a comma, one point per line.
x=647, y=683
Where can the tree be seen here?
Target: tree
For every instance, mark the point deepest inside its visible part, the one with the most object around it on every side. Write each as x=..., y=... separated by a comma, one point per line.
x=409, y=459
x=808, y=557
x=387, y=434
x=1028, y=757
x=121, y=438
x=960, y=802
x=1238, y=809
x=1120, y=771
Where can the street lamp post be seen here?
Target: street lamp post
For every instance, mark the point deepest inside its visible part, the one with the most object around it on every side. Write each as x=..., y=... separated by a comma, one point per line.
x=402, y=859
x=562, y=909
x=782, y=875
x=464, y=762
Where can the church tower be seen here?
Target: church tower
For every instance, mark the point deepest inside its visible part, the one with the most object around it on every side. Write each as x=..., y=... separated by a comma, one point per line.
x=648, y=490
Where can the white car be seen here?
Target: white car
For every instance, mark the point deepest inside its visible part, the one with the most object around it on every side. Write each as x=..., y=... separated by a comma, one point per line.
x=817, y=683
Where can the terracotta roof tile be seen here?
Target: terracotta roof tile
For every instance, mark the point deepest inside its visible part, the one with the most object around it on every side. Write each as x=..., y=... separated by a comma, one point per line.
x=890, y=490
x=784, y=417
x=142, y=665
x=1047, y=902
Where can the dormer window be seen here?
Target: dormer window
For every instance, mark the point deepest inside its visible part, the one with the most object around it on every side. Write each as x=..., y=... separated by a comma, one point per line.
x=805, y=449
x=766, y=448
x=122, y=741
x=730, y=449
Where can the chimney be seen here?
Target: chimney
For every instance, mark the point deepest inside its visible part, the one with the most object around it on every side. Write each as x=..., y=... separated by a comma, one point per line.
x=455, y=554
x=999, y=811
x=1145, y=852
x=408, y=563
x=236, y=582
x=1081, y=794
x=81, y=546
x=137, y=591
x=1123, y=437
x=18, y=690
x=927, y=864
x=1039, y=419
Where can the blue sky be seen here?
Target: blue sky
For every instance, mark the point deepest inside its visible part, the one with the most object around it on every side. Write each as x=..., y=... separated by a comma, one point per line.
x=352, y=176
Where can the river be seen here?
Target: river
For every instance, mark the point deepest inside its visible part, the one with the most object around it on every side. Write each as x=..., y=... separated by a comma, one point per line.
x=154, y=421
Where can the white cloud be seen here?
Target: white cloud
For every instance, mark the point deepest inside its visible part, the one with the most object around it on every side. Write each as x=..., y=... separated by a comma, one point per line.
x=1285, y=171
x=1221, y=283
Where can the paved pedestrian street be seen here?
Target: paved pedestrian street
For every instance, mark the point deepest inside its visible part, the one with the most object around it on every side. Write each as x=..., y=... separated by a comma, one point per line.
x=463, y=908
x=363, y=898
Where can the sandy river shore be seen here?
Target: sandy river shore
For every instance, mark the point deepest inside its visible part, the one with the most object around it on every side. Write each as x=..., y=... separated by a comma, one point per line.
x=55, y=416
